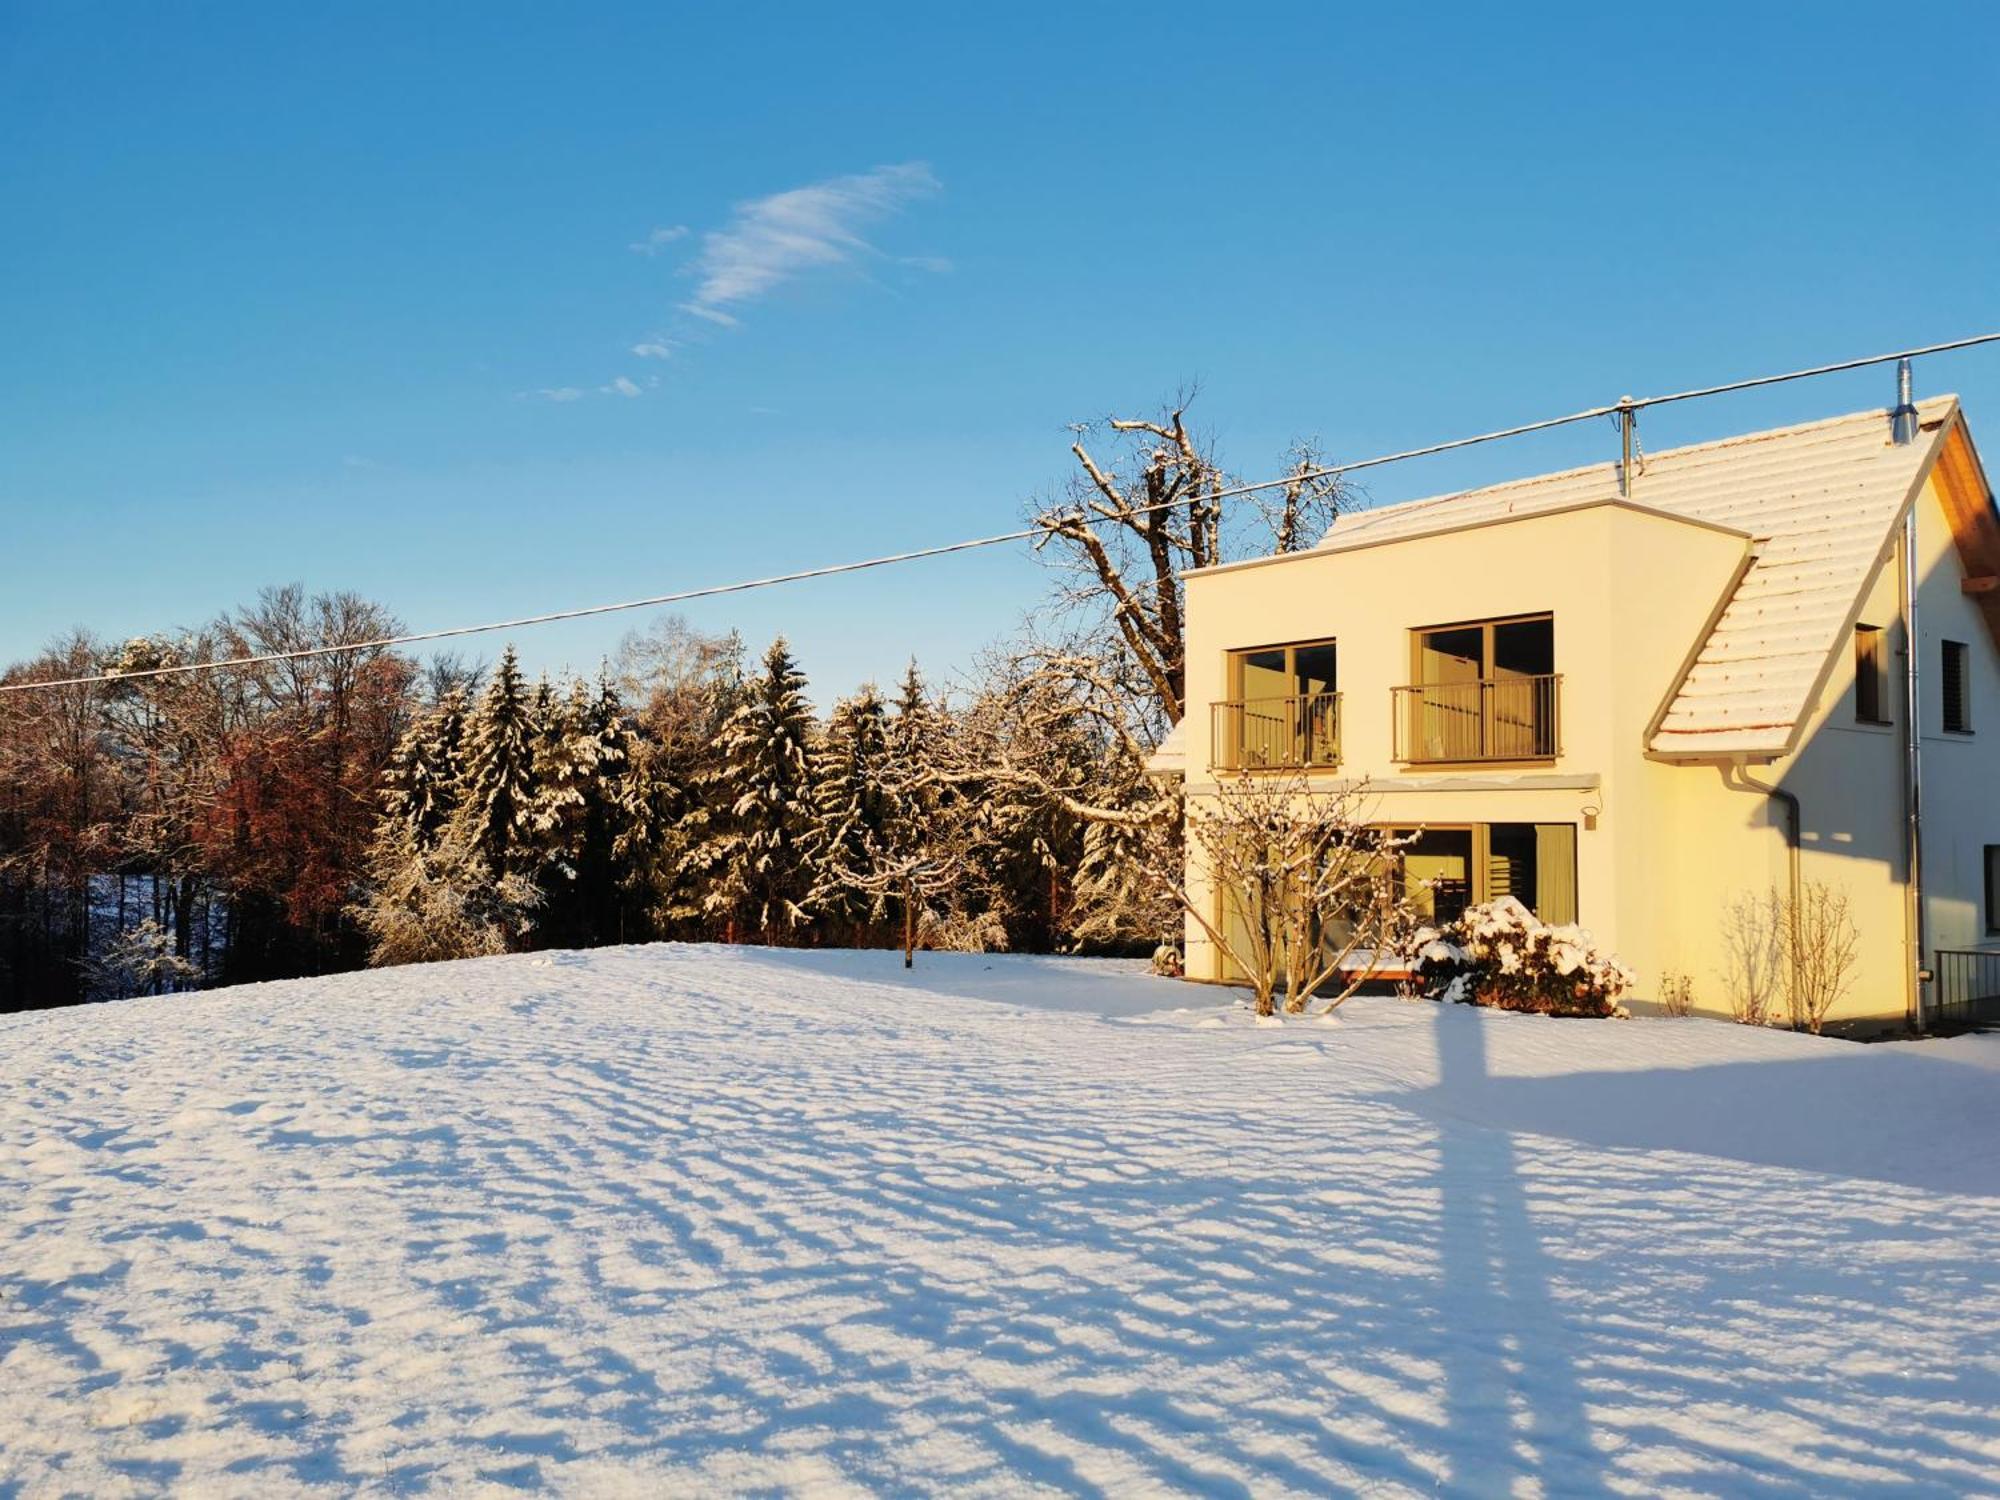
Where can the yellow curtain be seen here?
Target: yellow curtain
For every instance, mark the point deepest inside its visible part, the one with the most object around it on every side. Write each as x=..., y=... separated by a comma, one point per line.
x=1555, y=872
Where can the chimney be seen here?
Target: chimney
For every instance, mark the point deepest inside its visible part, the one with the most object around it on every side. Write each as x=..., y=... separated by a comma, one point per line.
x=1903, y=420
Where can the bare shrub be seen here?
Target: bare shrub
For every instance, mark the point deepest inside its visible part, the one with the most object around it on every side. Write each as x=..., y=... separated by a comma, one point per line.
x=1820, y=940
x=1753, y=955
x=1676, y=993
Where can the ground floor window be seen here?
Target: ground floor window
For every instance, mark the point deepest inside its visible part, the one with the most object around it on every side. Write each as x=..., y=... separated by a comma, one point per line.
x=1535, y=863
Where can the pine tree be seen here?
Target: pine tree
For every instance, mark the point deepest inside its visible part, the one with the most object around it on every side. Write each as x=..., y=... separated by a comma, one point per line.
x=856, y=806
x=432, y=893
x=593, y=817
x=754, y=863
x=420, y=783
x=497, y=798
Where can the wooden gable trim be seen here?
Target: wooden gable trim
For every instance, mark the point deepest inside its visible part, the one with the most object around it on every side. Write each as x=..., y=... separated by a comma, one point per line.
x=1975, y=525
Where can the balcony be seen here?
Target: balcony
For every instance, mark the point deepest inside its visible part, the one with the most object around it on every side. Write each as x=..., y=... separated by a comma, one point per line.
x=1274, y=734
x=1489, y=718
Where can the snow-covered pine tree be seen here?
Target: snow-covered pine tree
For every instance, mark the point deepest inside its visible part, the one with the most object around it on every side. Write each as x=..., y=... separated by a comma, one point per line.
x=755, y=865
x=856, y=806
x=432, y=892
x=497, y=792
x=420, y=783
x=593, y=817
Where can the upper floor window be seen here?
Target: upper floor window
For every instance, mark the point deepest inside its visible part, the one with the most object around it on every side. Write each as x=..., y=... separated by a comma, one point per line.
x=1482, y=690
x=1871, y=675
x=1957, y=688
x=1283, y=708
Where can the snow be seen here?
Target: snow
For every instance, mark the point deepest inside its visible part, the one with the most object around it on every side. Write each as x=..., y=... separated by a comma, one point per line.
x=696, y=1220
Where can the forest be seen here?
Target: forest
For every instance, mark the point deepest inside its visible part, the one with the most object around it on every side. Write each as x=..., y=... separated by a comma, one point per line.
x=176, y=825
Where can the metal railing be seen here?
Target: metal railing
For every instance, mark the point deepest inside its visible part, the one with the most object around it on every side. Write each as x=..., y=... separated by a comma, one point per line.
x=1259, y=734
x=1493, y=718
x=1968, y=987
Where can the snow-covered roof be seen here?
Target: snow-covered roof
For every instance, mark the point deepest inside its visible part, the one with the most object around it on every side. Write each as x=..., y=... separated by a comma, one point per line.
x=1822, y=500
x=1170, y=759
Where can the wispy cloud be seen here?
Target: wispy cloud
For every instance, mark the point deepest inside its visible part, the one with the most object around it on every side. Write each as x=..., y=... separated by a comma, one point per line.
x=770, y=241
x=655, y=347
x=618, y=385
x=658, y=240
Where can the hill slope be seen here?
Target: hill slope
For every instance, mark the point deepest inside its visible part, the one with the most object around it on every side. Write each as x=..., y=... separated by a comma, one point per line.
x=727, y=1220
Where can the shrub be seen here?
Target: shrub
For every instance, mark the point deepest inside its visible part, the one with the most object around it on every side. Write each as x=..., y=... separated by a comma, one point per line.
x=1503, y=955
x=1676, y=994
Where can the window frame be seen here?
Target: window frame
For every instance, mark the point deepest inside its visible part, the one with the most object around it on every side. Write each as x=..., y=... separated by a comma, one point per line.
x=1871, y=666
x=1957, y=706
x=1236, y=654
x=1485, y=625
x=1235, y=659
x=1480, y=874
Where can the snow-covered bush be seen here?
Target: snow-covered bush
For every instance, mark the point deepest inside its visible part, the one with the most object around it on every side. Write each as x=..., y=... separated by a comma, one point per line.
x=1167, y=961
x=142, y=960
x=1501, y=954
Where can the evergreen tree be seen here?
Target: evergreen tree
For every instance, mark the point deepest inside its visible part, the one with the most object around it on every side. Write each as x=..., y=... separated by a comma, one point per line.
x=593, y=817
x=856, y=804
x=497, y=797
x=755, y=861
x=420, y=783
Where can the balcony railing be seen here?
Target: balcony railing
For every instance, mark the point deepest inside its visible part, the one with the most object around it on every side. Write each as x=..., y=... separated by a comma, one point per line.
x=1265, y=734
x=1494, y=718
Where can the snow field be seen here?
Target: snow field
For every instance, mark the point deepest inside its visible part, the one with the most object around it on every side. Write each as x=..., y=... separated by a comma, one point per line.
x=696, y=1220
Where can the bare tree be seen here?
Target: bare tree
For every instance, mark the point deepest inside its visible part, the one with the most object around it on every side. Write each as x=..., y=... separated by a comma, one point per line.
x=1311, y=893
x=1131, y=524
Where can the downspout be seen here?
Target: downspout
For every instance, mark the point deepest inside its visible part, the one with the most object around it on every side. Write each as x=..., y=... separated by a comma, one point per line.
x=1744, y=782
x=1913, y=780
x=1902, y=431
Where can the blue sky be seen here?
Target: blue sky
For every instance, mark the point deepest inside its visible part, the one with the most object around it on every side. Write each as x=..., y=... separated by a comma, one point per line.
x=303, y=292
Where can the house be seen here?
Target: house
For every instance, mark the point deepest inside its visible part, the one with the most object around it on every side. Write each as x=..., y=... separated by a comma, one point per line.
x=1649, y=707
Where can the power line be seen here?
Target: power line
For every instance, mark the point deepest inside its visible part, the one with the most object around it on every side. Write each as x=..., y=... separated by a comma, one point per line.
x=1040, y=529
x=1617, y=408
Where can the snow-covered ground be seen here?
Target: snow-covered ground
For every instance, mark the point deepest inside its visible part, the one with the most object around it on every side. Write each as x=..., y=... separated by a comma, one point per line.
x=691, y=1220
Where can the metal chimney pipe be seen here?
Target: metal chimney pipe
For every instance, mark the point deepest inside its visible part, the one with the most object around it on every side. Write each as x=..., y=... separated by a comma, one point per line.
x=1627, y=416
x=1903, y=420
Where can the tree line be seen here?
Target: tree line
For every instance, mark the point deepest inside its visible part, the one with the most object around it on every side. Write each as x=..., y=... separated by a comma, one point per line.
x=250, y=823
x=316, y=814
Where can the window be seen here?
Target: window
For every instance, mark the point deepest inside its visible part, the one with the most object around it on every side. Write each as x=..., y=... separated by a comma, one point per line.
x=1870, y=675
x=1993, y=889
x=1482, y=690
x=1535, y=863
x=1283, y=709
x=1957, y=691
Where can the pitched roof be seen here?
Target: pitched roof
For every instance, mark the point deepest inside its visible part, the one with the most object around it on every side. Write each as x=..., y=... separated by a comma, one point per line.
x=1822, y=501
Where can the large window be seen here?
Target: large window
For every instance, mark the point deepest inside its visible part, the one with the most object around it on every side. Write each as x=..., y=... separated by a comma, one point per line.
x=1957, y=688
x=1992, y=889
x=1449, y=869
x=1481, y=690
x=1283, y=709
x=1871, y=675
